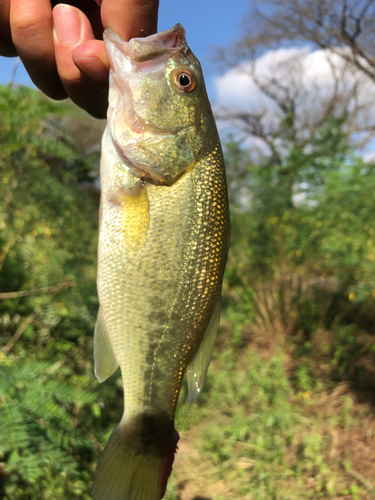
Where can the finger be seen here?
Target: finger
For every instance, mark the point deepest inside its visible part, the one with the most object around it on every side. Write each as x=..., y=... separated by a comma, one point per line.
x=6, y=44
x=130, y=18
x=71, y=29
x=91, y=58
x=31, y=26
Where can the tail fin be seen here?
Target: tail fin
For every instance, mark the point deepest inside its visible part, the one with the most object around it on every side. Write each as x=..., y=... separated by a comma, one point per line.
x=124, y=473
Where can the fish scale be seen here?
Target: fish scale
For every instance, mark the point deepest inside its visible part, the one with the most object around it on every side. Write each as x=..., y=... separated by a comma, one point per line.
x=162, y=252
x=193, y=277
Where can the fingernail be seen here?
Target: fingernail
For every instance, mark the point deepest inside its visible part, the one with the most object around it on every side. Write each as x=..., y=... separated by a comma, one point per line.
x=67, y=24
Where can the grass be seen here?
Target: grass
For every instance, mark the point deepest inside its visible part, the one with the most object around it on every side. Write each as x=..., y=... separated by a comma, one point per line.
x=254, y=435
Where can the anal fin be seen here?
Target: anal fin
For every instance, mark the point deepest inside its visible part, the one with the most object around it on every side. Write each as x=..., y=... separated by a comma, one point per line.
x=197, y=369
x=105, y=361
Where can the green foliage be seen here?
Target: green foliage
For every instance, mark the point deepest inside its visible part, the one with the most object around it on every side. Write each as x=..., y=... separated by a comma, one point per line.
x=50, y=404
x=39, y=439
x=252, y=403
x=258, y=439
x=274, y=233
x=304, y=242
x=42, y=211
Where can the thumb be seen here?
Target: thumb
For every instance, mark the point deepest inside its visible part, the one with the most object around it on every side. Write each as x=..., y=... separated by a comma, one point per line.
x=130, y=18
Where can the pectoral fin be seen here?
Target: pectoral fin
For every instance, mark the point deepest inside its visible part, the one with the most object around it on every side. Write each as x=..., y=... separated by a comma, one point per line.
x=135, y=216
x=105, y=361
x=197, y=369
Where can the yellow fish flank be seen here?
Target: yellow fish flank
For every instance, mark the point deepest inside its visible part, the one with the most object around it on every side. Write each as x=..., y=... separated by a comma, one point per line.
x=163, y=245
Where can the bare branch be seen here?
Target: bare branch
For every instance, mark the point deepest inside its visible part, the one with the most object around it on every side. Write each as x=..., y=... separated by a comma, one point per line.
x=37, y=291
x=7, y=248
x=331, y=24
x=22, y=328
x=32, y=317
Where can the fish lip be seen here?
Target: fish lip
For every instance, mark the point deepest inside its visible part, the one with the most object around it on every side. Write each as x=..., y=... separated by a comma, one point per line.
x=144, y=49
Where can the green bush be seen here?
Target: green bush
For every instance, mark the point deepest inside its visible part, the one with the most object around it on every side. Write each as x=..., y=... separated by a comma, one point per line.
x=50, y=403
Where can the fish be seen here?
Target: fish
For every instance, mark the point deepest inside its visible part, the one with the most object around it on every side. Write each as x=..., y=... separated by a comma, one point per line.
x=163, y=245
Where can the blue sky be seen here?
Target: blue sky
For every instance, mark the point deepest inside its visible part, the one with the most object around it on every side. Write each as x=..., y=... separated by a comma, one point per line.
x=207, y=23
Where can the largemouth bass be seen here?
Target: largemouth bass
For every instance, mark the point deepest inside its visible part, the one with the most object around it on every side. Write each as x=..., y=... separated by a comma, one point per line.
x=163, y=246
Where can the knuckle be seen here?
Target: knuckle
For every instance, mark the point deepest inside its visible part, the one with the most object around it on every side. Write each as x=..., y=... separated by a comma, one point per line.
x=31, y=27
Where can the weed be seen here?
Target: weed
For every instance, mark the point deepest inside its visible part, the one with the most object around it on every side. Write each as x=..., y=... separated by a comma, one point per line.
x=252, y=437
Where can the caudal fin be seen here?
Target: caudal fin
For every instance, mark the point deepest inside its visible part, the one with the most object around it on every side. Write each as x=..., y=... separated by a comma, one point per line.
x=124, y=473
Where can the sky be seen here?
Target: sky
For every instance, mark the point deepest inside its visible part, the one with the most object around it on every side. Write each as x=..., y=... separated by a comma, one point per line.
x=207, y=23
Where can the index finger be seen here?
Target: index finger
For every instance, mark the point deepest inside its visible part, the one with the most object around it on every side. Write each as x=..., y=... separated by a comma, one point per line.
x=130, y=18
x=31, y=24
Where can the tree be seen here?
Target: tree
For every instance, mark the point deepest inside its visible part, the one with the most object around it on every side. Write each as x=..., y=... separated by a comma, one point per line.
x=344, y=27
x=281, y=99
x=284, y=97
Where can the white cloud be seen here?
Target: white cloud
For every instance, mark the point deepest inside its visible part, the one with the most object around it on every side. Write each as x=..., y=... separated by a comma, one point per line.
x=315, y=82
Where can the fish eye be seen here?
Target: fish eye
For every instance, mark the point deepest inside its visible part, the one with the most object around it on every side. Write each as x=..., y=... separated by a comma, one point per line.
x=185, y=81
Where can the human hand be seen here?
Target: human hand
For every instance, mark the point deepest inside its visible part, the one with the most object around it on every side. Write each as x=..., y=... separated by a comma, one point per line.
x=62, y=47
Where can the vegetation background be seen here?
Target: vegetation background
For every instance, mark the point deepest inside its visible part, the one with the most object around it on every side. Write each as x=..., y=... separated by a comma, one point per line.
x=288, y=406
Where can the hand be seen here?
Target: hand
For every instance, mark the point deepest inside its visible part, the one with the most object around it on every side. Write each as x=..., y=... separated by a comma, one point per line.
x=62, y=48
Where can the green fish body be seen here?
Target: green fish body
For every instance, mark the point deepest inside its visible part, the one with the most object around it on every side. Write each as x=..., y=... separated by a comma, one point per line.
x=164, y=235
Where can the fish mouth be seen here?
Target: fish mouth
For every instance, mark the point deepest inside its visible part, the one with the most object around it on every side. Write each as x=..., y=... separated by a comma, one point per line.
x=151, y=47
